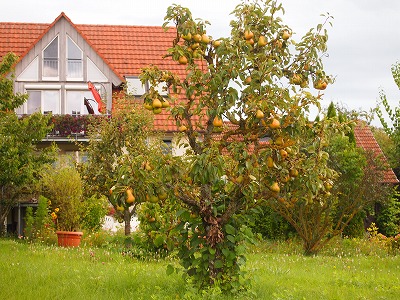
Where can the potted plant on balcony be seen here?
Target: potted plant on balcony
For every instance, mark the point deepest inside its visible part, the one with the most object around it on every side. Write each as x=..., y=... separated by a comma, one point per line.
x=63, y=187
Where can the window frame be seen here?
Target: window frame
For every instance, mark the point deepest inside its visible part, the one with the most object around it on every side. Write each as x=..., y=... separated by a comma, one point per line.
x=51, y=78
x=67, y=60
x=42, y=100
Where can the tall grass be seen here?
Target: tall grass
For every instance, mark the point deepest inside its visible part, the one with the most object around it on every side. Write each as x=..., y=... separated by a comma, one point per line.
x=277, y=270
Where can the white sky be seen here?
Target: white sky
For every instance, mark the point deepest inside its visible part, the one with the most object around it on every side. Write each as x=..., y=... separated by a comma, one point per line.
x=363, y=42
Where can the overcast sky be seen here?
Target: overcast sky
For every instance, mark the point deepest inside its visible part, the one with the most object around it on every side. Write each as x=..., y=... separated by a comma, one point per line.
x=363, y=42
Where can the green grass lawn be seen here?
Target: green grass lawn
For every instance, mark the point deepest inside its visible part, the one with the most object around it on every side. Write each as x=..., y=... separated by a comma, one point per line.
x=34, y=271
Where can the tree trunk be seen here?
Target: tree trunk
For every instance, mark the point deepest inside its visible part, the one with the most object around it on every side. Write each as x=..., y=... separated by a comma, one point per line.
x=127, y=221
x=4, y=211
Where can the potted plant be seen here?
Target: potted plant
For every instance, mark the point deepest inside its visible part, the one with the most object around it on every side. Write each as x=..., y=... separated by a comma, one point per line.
x=63, y=187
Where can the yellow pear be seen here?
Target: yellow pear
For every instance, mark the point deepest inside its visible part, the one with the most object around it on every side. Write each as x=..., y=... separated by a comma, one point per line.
x=129, y=196
x=275, y=187
x=270, y=162
x=262, y=41
x=275, y=124
x=218, y=122
x=259, y=114
x=157, y=103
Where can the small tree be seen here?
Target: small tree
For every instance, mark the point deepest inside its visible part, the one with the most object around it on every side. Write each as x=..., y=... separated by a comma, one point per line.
x=258, y=79
x=20, y=158
x=384, y=110
x=124, y=158
x=356, y=187
x=63, y=187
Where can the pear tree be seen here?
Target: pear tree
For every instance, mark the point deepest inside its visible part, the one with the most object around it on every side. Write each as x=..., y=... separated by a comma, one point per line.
x=124, y=159
x=241, y=107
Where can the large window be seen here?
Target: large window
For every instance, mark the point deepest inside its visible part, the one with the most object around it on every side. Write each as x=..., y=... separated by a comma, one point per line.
x=75, y=102
x=50, y=60
x=34, y=103
x=74, y=61
x=44, y=101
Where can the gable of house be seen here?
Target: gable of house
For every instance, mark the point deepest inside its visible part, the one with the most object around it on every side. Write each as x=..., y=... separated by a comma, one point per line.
x=110, y=55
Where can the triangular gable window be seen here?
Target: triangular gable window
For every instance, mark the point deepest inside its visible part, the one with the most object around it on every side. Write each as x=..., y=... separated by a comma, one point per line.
x=74, y=61
x=94, y=74
x=50, y=60
x=31, y=72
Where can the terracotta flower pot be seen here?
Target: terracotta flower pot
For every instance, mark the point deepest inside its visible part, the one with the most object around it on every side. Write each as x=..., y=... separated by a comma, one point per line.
x=69, y=238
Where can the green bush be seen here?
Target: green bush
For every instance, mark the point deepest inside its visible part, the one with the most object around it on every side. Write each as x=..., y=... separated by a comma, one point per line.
x=93, y=211
x=38, y=224
x=270, y=224
x=63, y=187
x=355, y=229
x=388, y=218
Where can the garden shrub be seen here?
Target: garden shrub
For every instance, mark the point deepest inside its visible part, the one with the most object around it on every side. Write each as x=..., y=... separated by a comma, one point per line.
x=39, y=224
x=388, y=218
x=93, y=211
x=355, y=229
x=270, y=224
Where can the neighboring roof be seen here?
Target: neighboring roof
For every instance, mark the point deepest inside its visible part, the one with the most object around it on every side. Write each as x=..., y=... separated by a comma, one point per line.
x=366, y=140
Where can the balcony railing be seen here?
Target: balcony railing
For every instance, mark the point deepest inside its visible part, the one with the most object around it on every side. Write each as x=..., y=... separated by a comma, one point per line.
x=74, y=126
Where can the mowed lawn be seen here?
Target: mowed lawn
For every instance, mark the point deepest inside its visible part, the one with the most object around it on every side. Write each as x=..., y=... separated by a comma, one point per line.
x=34, y=271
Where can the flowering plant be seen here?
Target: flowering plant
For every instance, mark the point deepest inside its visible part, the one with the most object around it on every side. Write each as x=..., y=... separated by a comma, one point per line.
x=66, y=125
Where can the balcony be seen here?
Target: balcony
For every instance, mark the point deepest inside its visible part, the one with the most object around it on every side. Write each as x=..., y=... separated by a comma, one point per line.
x=73, y=126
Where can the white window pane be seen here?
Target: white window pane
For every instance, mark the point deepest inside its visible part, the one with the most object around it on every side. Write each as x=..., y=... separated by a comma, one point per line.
x=50, y=59
x=75, y=102
x=162, y=89
x=73, y=50
x=135, y=87
x=51, y=50
x=51, y=102
x=75, y=69
x=33, y=103
x=50, y=68
x=74, y=58
x=93, y=72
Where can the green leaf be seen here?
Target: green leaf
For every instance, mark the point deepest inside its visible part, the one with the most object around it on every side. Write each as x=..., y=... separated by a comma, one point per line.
x=230, y=238
x=218, y=264
x=230, y=229
x=170, y=269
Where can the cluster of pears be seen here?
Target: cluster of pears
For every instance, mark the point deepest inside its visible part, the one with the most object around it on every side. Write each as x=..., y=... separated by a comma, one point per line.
x=195, y=43
x=157, y=105
x=320, y=83
x=262, y=40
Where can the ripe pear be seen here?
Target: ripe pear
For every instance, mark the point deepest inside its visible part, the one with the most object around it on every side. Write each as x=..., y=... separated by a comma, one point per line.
x=270, y=162
x=259, y=114
x=283, y=153
x=183, y=60
x=218, y=122
x=275, y=124
x=197, y=38
x=286, y=35
x=275, y=187
x=205, y=38
x=165, y=103
x=157, y=111
x=157, y=103
x=129, y=196
x=182, y=128
x=262, y=41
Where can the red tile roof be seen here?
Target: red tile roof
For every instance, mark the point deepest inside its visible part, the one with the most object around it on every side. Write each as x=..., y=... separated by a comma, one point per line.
x=366, y=140
x=19, y=37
